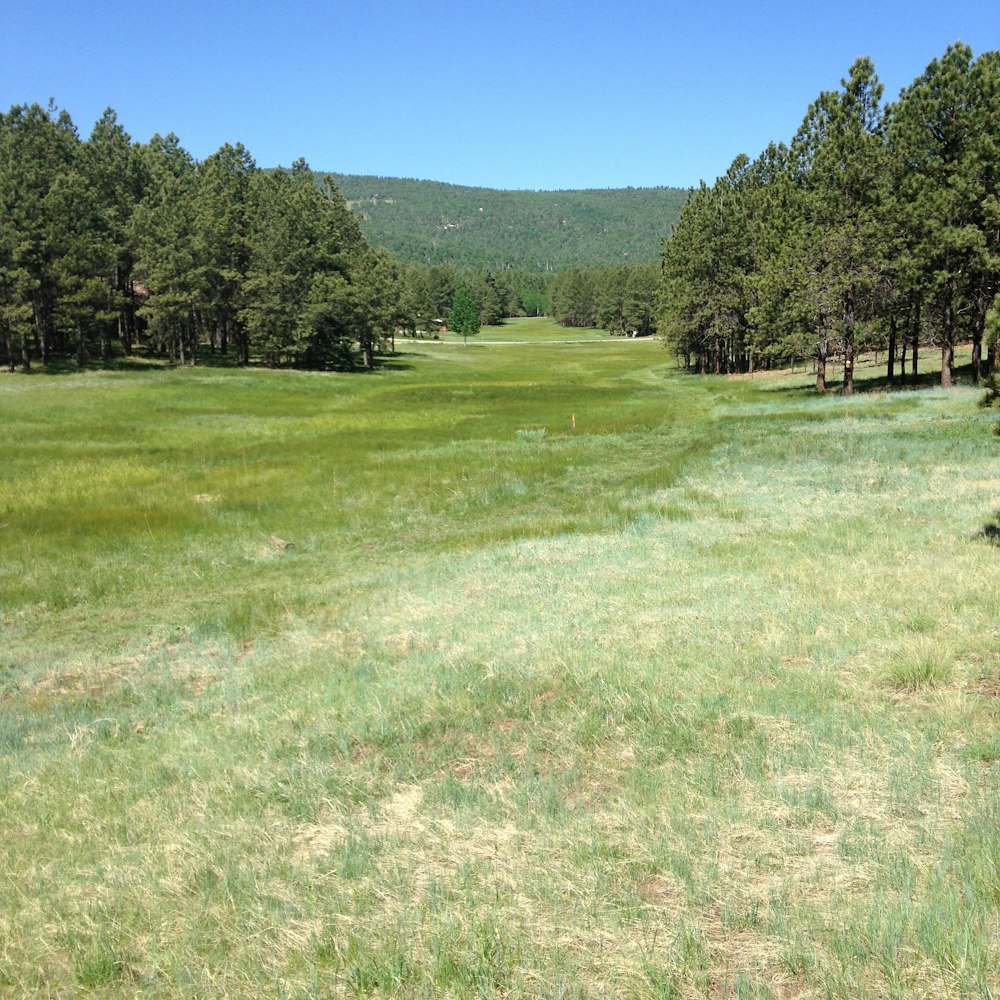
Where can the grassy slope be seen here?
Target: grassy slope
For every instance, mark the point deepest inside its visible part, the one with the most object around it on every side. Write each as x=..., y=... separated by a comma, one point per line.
x=699, y=698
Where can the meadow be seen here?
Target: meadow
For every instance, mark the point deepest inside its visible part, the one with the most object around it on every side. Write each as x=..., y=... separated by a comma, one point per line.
x=578, y=676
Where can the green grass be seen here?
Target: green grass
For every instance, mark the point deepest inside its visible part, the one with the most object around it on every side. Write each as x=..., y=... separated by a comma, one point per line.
x=697, y=698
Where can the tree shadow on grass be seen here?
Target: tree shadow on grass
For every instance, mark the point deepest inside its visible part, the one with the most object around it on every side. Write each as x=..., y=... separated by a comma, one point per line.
x=990, y=531
x=142, y=363
x=395, y=364
x=68, y=366
x=870, y=381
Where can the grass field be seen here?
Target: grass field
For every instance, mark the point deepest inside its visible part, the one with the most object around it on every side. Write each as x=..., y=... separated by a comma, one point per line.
x=699, y=697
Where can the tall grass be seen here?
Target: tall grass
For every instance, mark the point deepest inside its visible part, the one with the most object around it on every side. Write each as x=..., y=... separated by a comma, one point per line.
x=695, y=698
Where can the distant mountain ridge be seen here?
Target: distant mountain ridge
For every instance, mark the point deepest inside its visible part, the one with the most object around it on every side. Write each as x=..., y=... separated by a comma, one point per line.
x=430, y=222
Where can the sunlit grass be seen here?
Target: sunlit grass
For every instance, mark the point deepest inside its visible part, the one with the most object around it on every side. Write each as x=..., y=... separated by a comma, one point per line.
x=695, y=698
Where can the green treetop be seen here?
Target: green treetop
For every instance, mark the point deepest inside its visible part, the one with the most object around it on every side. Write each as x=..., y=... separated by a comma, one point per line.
x=464, y=317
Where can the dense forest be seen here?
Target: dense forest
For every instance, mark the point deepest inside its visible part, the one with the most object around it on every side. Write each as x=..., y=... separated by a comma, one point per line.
x=878, y=226
x=104, y=243
x=484, y=229
x=107, y=246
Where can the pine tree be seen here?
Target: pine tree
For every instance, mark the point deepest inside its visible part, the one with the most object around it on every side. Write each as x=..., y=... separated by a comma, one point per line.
x=168, y=263
x=840, y=154
x=115, y=174
x=222, y=241
x=945, y=133
x=37, y=148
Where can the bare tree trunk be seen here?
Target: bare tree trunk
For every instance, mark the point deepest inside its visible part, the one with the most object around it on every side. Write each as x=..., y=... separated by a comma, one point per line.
x=194, y=327
x=978, y=326
x=849, y=343
x=891, y=361
x=41, y=334
x=80, y=352
x=948, y=346
x=947, y=364
x=822, y=350
x=128, y=324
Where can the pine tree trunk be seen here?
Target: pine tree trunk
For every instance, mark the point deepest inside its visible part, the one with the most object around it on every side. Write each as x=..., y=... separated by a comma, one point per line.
x=80, y=353
x=194, y=326
x=128, y=330
x=849, y=343
x=891, y=361
x=41, y=338
x=978, y=326
x=947, y=364
x=821, y=353
x=948, y=345
x=948, y=342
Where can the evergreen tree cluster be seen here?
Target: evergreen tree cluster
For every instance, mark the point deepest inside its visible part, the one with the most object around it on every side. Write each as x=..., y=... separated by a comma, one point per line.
x=105, y=243
x=878, y=226
x=428, y=294
x=621, y=299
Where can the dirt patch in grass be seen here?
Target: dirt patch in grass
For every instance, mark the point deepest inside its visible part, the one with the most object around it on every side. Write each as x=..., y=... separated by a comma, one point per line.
x=988, y=686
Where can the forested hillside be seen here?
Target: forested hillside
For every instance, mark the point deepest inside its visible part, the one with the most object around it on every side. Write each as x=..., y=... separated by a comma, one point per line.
x=432, y=223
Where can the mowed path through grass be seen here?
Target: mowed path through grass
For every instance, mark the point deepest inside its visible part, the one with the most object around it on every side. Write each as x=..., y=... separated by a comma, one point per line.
x=697, y=698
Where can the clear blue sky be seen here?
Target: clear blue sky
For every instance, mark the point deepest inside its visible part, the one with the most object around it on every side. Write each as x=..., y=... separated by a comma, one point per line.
x=506, y=94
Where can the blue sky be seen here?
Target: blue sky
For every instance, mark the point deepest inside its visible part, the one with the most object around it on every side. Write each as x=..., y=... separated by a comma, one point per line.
x=504, y=94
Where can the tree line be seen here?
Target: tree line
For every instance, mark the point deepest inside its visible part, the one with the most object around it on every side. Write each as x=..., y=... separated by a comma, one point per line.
x=877, y=226
x=107, y=245
x=621, y=299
